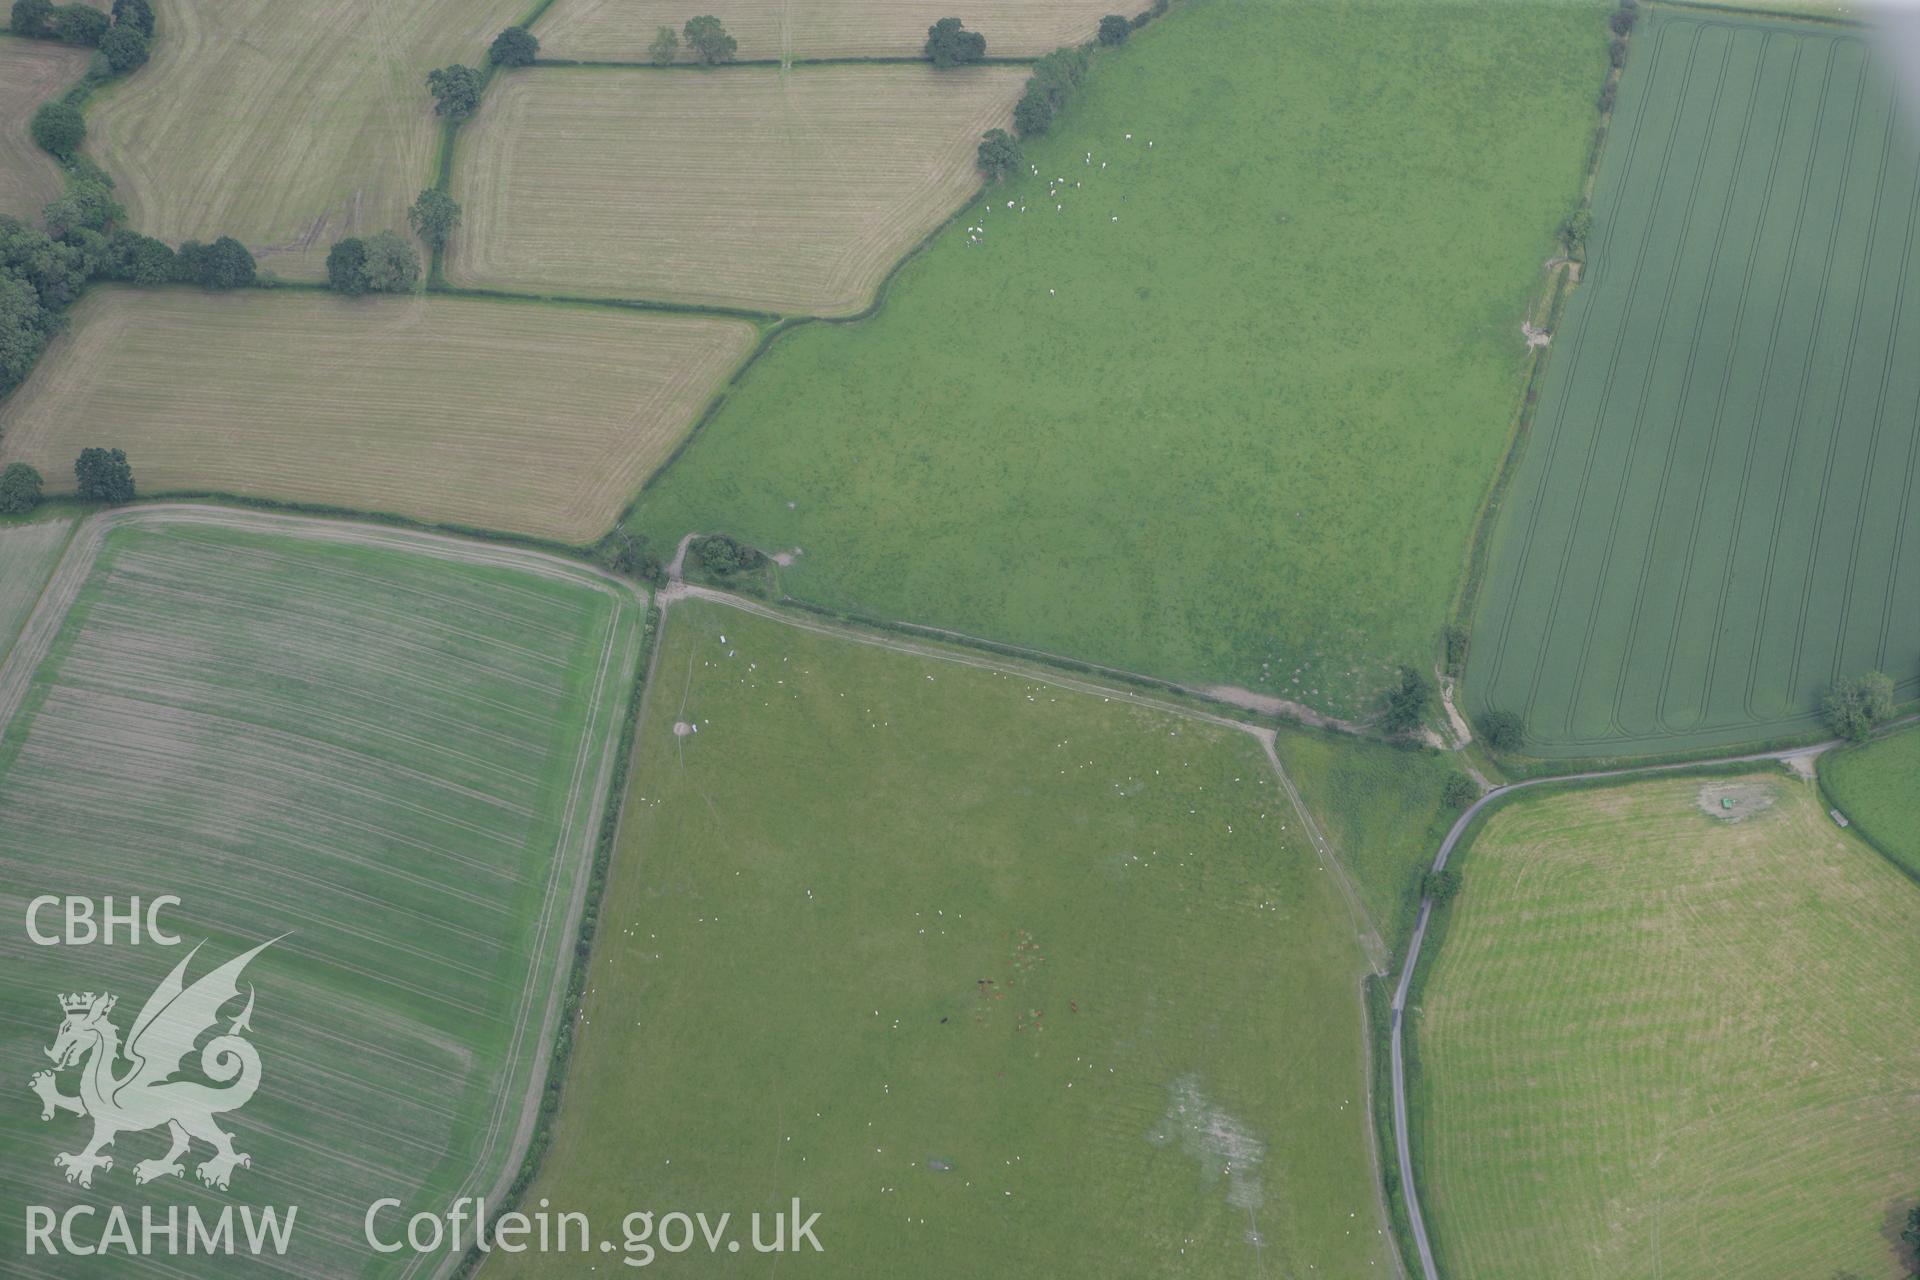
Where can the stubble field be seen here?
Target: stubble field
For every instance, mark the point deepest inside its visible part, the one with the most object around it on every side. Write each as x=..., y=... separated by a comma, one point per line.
x=394, y=750
x=286, y=126
x=525, y=417
x=1224, y=410
x=987, y=971
x=621, y=30
x=31, y=72
x=782, y=191
x=28, y=553
x=1716, y=515
x=1655, y=1039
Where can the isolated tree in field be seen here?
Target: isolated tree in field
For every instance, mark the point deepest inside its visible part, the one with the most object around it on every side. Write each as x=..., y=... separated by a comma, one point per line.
x=709, y=40
x=950, y=44
x=1407, y=702
x=665, y=47
x=1459, y=791
x=1114, y=29
x=103, y=475
x=59, y=128
x=80, y=24
x=1854, y=706
x=30, y=17
x=1033, y=114
x=514, y=47
x=224, y=264
x=1000, y=155
x=1501, y=730
x=347, y=266
x=434, y=216
x=125, y=48
x=1441, y=886
x=455, y=90
x=391, y=265
x=19, y=489
x=134, y=13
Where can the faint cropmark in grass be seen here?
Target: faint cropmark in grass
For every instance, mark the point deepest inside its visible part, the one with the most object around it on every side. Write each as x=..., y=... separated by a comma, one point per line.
x=1221, y=1145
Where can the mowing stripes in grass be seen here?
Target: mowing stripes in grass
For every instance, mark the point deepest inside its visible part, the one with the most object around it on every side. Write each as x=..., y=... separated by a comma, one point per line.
x=1660, y=1041
x=525, y=417
x=31, y=72
x=1716, y=515
x=393, y=749
x=787, y=190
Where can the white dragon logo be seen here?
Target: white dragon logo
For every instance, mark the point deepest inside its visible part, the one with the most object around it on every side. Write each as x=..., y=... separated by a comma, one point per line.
x=145, y=1096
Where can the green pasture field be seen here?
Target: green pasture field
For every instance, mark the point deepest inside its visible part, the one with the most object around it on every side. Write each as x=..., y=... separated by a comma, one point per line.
x=1717, y=515
x=1226, y=413
x=1381, y=807
x=1658, y=1041
x=28, y=553
x=1877, y=786
x=393, y=750
x=942, y=951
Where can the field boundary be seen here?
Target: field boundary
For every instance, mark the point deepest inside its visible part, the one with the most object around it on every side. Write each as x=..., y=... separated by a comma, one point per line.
x=1414, y=966
x=874, y=60
x=1859, y=828
x=1748, y=11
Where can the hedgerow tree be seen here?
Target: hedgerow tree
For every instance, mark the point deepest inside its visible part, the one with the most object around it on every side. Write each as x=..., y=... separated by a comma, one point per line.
x=86, y=206
x=709, y=40
x=434, y=216
x=950, y=44
x=665, y=47
x=1441, y=886
x=59, y=128
x=1459, y=791
x=1033, y=114
x=19, y=489
x=391, y=266
x=999, y=156
x=137, y=259
x=514, y=47
x=1407, y=702
x=455, y=90
x=134, y=13
x=1855, y=706
x=347, y=266
x=224, y=264
x=125, y=47
x=80, y=24
x=30, y=17
x=1501, y=730
x=103, y=475
x=1054, y=79
x=1114, y=29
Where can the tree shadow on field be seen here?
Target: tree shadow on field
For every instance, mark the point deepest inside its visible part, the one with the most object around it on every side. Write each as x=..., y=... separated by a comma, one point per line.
x=1901, y=1230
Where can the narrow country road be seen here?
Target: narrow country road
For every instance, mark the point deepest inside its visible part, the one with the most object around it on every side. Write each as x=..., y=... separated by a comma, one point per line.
x=1402, y=1149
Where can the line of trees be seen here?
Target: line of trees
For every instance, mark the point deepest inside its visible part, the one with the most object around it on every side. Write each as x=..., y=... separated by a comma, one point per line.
x=706, y=36
x=122, y=37
x=99, y=475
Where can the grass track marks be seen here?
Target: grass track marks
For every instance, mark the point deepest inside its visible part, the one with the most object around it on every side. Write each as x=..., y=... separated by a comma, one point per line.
x=31, y=72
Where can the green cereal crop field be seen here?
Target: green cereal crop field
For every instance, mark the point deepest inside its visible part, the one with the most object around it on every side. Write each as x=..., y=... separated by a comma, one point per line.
x=394, y=751
x=1716, y=515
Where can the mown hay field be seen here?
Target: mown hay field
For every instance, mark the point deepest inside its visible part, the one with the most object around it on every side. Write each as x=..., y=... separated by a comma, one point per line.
x=28, y=553
x=621, y=30
x=1225, y=410
x=286, y=126
x=1877, y=786
x=394, y=749
x=1654, y=1040
x=31, y=72
x=944, y=952
x=525, y=417
x=750, y=187
x=1717, y=515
